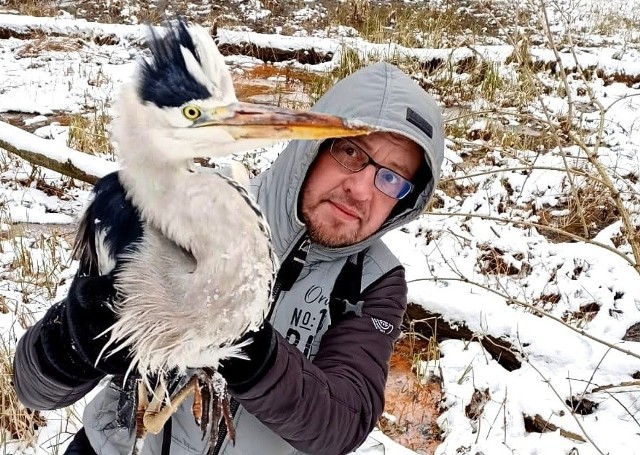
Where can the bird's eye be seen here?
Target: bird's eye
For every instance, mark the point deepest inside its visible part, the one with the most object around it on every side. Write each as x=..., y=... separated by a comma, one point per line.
x=191, y=112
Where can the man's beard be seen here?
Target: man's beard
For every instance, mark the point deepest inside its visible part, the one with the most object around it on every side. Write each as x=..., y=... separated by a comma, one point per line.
x=321, y=233
x=331, y=234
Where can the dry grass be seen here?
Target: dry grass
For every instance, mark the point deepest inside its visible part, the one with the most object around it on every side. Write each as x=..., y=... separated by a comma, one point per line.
x=453, y=189
x=16, y=422
x=120, y=11
x=88, y=133
x=319, y=83
x=581, y=317
x=4, y=307
x=316, y=84
x=477, y=84
x=493, y=261
x=414, y=25
x=586, y=214
x=35, y=263
x=32, y=7
x=258, y=85
x=41, y=44
x=480, y=132
x=35, y=269
x=613, y=24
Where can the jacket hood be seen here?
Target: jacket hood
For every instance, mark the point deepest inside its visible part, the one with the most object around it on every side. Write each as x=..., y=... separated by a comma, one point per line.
x=380, y=95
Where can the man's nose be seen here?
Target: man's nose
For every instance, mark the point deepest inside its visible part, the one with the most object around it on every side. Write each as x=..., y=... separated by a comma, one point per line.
x=360, y=184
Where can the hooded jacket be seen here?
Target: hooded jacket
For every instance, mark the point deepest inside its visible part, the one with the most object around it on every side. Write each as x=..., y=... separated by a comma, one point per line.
x=325, y=390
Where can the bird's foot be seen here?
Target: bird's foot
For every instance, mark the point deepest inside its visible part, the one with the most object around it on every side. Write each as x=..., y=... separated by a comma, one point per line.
x=213, y=405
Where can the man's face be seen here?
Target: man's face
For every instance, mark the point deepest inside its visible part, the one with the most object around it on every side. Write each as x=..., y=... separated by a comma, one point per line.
x=341, y=207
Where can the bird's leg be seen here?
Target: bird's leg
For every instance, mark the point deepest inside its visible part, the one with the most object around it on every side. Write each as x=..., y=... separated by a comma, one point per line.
x=215, y=415
x=196, y=406
x=156, y=416
x=202, y=415
x=228, y=419
x=221, y=404
x=143, y=404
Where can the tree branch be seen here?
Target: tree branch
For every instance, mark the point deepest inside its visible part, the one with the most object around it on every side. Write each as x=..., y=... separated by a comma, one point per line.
x=54, y=155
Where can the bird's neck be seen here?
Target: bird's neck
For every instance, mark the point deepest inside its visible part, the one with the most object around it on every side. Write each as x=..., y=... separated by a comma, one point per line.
x=152, y=188
x=150, y=179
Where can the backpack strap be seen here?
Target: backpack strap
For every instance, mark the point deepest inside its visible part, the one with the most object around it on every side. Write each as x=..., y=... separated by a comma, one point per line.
x=344, y=302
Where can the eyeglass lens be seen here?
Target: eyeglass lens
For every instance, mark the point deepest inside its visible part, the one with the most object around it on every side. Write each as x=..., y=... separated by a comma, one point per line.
x=355, y=159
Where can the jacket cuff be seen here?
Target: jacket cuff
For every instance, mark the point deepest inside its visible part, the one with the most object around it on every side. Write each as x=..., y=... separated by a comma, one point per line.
x=242, y=374
x=58, y=357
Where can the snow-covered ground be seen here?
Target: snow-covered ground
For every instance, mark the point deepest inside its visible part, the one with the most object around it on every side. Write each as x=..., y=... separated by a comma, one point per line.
x=466, y=260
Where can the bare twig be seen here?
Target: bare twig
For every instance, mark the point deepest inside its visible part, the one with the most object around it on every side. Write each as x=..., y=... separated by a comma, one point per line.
x=571, y=170
x=606, y=388
x=555, y=392
x=615, y=386
x=543, y=227
x=591, y=152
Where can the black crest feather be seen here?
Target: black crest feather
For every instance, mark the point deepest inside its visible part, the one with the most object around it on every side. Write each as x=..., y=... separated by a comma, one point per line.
x=165, y=79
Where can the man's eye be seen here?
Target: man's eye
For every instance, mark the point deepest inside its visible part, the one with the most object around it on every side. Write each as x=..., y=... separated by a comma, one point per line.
x=391, y=178
x=351, y=152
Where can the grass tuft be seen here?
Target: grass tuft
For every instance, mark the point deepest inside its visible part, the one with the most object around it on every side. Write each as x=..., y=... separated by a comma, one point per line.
x=88, y=133
x=17, y=423
x=419, y=25
x=585, y=214
x=38, y=8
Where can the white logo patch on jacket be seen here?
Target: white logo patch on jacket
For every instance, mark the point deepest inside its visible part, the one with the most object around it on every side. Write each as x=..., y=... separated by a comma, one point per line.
x=382, y=326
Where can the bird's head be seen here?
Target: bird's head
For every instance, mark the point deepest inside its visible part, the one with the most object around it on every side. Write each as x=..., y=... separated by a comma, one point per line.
x=182, y=105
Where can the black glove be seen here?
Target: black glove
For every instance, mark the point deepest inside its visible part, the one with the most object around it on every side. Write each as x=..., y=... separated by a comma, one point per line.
x=242, y=374
x=69, y=344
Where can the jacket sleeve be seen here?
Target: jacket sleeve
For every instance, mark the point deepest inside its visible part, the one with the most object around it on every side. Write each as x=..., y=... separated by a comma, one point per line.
x=329, y=405
x=37, y=385
x=35, y=388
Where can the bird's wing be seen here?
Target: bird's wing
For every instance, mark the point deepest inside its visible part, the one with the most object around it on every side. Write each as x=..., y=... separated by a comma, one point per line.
x=109, y=226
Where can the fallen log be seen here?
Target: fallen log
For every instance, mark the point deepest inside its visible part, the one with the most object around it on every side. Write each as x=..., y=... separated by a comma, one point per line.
x=53, y=155
x=428, y=323
x=308, y=56
x=273, y=54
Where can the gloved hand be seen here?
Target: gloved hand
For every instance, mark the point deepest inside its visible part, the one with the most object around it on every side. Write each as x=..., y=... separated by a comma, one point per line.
x=242, y=374
x=69, y=343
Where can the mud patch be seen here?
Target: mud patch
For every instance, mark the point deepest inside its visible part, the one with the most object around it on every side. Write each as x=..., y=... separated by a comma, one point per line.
x=411, y=404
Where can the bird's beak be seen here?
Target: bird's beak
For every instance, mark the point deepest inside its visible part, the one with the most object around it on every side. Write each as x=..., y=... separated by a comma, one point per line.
x=256, y=121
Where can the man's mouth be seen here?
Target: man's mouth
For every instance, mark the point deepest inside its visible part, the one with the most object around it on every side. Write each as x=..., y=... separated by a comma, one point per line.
x=345, y=211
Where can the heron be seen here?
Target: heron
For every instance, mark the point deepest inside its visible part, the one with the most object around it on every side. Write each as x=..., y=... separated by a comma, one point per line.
x=201, y=275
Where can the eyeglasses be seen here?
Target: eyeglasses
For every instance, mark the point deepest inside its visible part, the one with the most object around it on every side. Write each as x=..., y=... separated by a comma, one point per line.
x=353, y=158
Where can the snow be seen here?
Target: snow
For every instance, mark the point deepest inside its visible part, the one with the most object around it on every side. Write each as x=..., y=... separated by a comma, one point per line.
x=55, y=150
x=442, y=251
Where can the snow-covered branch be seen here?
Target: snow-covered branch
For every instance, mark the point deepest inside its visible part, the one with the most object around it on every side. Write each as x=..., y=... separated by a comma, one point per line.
x=53, y=155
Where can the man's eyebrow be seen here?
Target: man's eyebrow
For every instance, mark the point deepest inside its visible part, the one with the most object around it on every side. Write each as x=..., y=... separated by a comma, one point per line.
x=396, y=166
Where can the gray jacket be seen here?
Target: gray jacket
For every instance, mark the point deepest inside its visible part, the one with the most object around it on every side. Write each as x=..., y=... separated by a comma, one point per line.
x=325, y=391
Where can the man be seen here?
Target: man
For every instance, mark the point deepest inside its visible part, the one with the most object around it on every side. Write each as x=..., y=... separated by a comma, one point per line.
x=316, y=370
